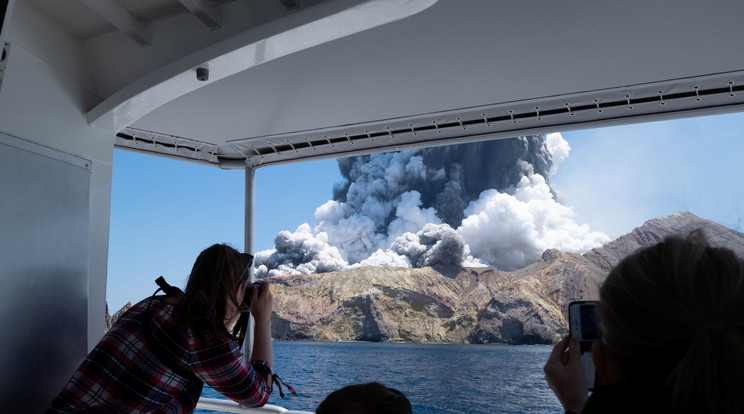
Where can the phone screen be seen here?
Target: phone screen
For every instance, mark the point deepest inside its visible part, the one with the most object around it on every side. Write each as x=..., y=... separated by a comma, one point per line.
x=584, y=323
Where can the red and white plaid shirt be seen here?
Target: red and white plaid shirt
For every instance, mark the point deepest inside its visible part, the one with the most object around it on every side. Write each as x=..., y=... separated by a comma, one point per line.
x=123, y=375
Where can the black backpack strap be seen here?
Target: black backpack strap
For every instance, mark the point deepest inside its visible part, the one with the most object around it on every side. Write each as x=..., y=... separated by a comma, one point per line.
x=155, y=346
x=240, y=328
x=170, y=291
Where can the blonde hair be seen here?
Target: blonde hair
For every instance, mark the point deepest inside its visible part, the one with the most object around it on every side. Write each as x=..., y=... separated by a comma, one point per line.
x=673, y=316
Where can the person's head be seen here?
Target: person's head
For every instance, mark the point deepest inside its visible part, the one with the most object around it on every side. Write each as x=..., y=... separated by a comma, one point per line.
x=673, y=315
x=370, y=398
x=215, y=287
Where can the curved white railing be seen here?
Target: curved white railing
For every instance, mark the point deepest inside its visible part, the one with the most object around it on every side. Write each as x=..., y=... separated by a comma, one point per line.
x=228, y=406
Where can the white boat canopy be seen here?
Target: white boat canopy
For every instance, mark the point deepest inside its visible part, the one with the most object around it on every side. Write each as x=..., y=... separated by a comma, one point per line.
x=295, y=80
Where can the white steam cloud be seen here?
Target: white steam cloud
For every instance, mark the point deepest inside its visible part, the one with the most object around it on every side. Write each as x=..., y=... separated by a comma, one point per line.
x=512, y=229
x=486, y=203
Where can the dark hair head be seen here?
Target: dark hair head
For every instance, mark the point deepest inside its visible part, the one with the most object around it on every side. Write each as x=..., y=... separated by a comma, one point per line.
x=370, y=398
x=216, y=274
x=672, y=315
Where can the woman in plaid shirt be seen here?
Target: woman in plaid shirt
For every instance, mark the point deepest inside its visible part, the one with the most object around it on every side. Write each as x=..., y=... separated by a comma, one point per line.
x=158, y=355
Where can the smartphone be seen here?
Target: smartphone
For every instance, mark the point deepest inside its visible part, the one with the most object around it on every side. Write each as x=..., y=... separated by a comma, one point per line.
x=584, y=323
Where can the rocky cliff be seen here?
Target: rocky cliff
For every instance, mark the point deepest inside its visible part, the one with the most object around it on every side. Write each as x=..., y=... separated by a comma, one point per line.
x=653, y=231
x=462, y=305
x=469, y=305
x=110, y=319
x=475, y=305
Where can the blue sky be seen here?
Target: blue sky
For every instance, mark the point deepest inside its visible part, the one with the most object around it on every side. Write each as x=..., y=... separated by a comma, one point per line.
x=164, y=212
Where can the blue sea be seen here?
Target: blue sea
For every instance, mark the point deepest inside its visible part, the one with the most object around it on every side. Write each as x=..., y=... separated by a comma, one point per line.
x=436, y=378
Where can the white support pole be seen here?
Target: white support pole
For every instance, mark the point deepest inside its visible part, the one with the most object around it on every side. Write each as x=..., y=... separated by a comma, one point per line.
x=250, y=176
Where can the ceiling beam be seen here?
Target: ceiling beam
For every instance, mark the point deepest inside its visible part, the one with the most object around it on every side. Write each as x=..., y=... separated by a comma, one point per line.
x=203, y=10
x=290, y=4
x=121, y=18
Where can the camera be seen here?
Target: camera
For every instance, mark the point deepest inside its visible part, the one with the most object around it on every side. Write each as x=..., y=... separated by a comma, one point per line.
x=249, y=293
x=584, y=323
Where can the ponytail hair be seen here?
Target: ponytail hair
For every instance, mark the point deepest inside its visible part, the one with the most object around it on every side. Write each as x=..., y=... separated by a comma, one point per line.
x=673, y=316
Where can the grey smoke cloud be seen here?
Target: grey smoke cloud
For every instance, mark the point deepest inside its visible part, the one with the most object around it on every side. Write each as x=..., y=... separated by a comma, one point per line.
x=447, y=178
x=485, y=203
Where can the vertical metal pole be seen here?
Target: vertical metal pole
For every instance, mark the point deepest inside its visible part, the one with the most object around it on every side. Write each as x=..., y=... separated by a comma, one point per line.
x=250, y=176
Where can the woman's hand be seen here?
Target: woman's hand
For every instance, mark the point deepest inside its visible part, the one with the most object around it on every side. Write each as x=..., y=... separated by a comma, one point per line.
x=262, y=305
x=565, y=376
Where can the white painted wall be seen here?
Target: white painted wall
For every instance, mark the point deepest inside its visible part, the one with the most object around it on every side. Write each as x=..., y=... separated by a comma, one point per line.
x=42, y=101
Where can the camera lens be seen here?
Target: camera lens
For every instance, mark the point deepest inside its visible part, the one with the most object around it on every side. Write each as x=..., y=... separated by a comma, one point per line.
x=249, y=293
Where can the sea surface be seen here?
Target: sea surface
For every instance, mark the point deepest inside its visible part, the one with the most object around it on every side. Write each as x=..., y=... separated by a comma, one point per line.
x=436, y=378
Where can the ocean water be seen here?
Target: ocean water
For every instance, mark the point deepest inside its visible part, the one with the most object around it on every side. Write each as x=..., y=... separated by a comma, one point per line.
x=436, y=378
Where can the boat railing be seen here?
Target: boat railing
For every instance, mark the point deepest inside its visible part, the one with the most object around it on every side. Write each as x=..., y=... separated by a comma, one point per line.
x=228, y=406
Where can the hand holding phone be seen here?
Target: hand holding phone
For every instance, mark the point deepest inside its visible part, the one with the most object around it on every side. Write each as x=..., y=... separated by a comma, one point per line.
x=565, y=376
x=584, y=323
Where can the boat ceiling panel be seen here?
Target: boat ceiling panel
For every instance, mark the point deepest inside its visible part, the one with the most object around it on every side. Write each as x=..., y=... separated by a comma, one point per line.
x=463, y=59
x=86, y=23
x=452, y=71
x=78, y=18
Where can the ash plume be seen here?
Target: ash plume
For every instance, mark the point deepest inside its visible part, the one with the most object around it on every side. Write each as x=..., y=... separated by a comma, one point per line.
x=477, y=204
